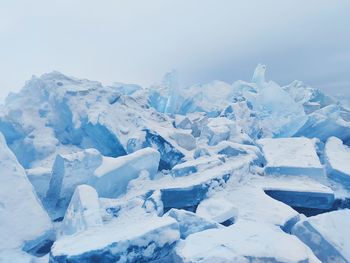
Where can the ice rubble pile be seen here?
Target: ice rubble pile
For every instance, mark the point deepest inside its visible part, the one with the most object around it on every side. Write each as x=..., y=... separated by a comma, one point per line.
x=248, y=172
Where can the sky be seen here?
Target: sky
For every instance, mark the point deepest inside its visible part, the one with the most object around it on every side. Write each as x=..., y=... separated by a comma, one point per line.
x=139, y=41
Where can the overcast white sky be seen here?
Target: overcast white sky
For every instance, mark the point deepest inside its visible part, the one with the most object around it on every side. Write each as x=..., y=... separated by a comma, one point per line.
x=138, y=41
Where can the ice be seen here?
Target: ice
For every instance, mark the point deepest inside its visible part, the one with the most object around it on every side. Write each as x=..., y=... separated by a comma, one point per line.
x=24, y=224
x=327, y=235
x=114, y=174
x=337, y=158
x=245, y=241
x=170, y=156
x=83, y=211
x=182, y=122
x=291, y=156
x=68, y=172
x=254, y=205
x=184, y=139
x=299, y=192
x=190, y=222
x=267, y=100
x=110, y=176
x=218, y=210
x=217, y=130
x=124, y=171
x=312, y=99
x=332, y=120
x=148, y=239
x=194, y=166
x=194, y=188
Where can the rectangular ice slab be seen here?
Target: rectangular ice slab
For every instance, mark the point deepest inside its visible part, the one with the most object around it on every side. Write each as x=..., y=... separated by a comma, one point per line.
x=291, y=156
x=149, y=239
x=327, y=235
x=245, y=241
x=298, y=192
x=24, y=224
x=188, y=191
x=337, y=159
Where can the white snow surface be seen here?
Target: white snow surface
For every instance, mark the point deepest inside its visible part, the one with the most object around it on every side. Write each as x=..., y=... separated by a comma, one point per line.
x=290, y=152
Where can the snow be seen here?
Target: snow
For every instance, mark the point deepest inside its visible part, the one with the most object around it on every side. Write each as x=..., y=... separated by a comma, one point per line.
x=23, y=221
x=244, y=241
x=291, y=156
x=327, y=234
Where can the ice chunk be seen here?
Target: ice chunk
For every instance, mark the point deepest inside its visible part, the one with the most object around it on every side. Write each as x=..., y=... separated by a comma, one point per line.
x=245, y=241
x=218, y=210
x=148, y=239
x=83, y=211
x=169, y=155
x=24, y=224
x=68, y=172
x=327, y=235
x=194, y=166
x=291, y=156
x=188, y=191
x=337, y=159
x=299, y=192
x=218, y=129
x=40, y=179
x=184, y=139
x=253, y=204
x=190, y=223
x=109, y=176
x=182, y=122
x=114, y=174
x=332, y=120
x=312, y=99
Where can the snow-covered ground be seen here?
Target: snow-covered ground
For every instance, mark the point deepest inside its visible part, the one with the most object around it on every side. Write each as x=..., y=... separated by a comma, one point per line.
x=217, y=172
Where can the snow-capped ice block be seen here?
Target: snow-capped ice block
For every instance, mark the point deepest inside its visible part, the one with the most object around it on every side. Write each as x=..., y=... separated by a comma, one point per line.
x=182, y=122
x=24, y=224
x=327, y=235
x=189, y=191
x=337, y=159
x=329, y=121
x=68, y=172
x=218, y=129
x=218, y=209
x=114, y=174
x=148, y=239
x=194, y=166
x=245, y=241
x=254, y=205
x=291, y=156
x=83, y=211
x=184, y=139
x=299, y=192
x=231, y=149
x=190, y=222
x=169, y=155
